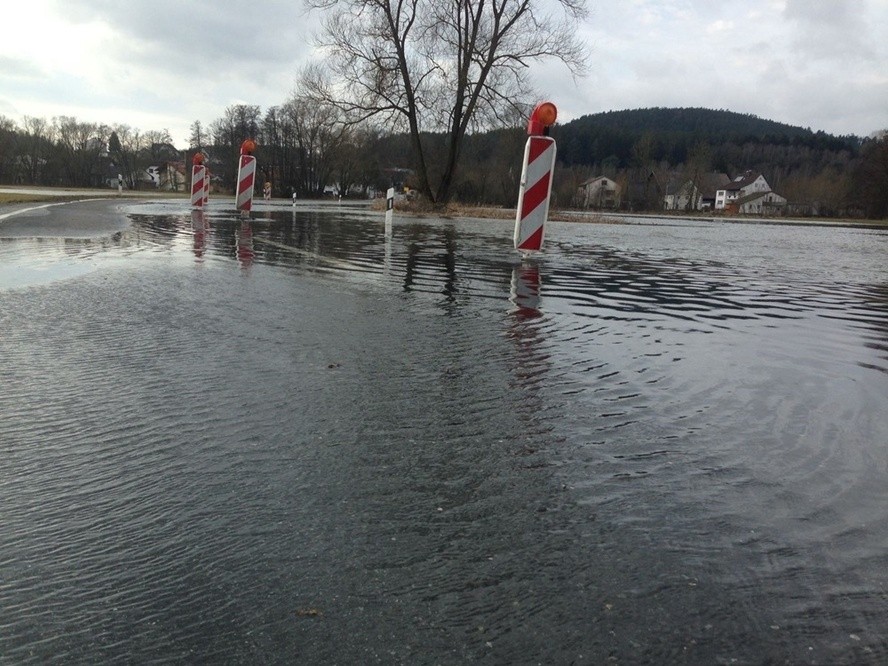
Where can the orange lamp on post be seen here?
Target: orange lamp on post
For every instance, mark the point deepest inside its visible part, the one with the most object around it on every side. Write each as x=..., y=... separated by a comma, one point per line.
x=198, y=158
x=543, y=117
x=247, y=147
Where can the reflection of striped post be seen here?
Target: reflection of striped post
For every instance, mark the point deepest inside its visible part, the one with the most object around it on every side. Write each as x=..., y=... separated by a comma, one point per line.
x=526, y=291
x=198, y=184
x=246, y=179
x=533, y=197
x=245, y=253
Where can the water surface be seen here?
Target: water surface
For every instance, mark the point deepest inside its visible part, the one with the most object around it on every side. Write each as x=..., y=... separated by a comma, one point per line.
x=289, y=440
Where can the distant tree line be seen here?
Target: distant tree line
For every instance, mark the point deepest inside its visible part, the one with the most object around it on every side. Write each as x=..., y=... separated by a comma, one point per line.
x=649, y=151
x=67, y=152
x=305, y=146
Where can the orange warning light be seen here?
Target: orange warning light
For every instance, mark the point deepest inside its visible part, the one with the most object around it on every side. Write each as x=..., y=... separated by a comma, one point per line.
x=198, y=158
x=248, y=146
x=542, y=118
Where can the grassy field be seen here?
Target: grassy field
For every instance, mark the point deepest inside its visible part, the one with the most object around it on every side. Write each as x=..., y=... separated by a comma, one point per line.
x=14, y=198
x=21, y=195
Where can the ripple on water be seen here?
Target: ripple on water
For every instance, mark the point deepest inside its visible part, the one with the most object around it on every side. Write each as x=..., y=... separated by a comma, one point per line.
x=288, y=438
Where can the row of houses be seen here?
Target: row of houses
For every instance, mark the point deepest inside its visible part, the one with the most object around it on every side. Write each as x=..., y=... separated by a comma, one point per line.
x=747, y=194
x=170, y=176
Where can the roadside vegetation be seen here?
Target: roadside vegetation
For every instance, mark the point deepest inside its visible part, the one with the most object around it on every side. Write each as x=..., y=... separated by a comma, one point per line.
x=15, y=198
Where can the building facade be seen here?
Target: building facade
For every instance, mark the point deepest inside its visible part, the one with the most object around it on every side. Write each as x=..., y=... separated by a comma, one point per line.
x=742, y=186
x=599, y=192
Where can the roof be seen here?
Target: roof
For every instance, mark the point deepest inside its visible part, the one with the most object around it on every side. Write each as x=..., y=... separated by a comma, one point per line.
x=710, y=182
x=596, y=178
x=757, y=195
x=707, y=184
x=748, y=178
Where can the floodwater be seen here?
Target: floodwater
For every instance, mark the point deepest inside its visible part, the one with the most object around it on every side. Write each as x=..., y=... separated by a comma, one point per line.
x=289, y=440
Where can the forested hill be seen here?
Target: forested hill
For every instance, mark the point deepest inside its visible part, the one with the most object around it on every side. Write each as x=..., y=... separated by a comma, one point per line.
x=669, y=134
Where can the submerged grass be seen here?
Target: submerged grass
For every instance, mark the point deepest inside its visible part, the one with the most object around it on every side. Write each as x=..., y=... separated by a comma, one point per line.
x=421, y=208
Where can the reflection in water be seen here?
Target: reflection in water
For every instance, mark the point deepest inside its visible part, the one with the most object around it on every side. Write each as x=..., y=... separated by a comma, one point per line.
x=646, y=446
x=448, y=258
x=874, y=325
x=525, y=293
x=532, y=361
x=412, y=257
x=245, y=252
x=594, y=281
x=199, y=227
x=424, y=251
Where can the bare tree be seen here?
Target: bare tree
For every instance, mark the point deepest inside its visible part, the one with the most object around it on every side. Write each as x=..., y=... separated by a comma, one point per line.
x=355, y=164
x=8, y=148
x=317, y=133
x=238, y=122
x=699, y=164
x=447, y=66
x=198, y=136
x=276, y=150
x=124, y=146
x=36, y=148
x=159, y=145
x=81, y=147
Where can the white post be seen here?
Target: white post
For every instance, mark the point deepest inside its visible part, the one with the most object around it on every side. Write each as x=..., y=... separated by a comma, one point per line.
x=389, y=210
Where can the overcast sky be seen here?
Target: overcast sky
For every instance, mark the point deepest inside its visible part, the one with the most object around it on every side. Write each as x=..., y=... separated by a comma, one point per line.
x=162, y=64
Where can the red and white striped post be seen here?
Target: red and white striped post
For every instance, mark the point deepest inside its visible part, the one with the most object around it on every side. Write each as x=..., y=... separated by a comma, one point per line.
x=246, y=176
x=198, y=178
x=198, y=181
x=536, y=180
x=206, y=192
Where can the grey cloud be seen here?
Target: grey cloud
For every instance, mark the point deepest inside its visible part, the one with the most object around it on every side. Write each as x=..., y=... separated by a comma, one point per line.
x=819, y=12
x=220, y=35
x=18, y=68
x=830, y=30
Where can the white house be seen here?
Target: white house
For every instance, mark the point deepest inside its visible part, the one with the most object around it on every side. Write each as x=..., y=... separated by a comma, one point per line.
x=743, y=185
x=599, y=192
x=153, y=175
x=760, y=203
x=170, y=176
x=699, y=195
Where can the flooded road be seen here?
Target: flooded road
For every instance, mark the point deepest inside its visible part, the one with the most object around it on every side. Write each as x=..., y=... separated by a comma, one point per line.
x=289, y=440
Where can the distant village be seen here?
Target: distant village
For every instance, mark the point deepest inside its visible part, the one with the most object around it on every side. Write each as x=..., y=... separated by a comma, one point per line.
x=746, y=194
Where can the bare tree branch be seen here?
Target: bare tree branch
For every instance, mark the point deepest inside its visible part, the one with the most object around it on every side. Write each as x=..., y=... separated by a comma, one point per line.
x=448, y=66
